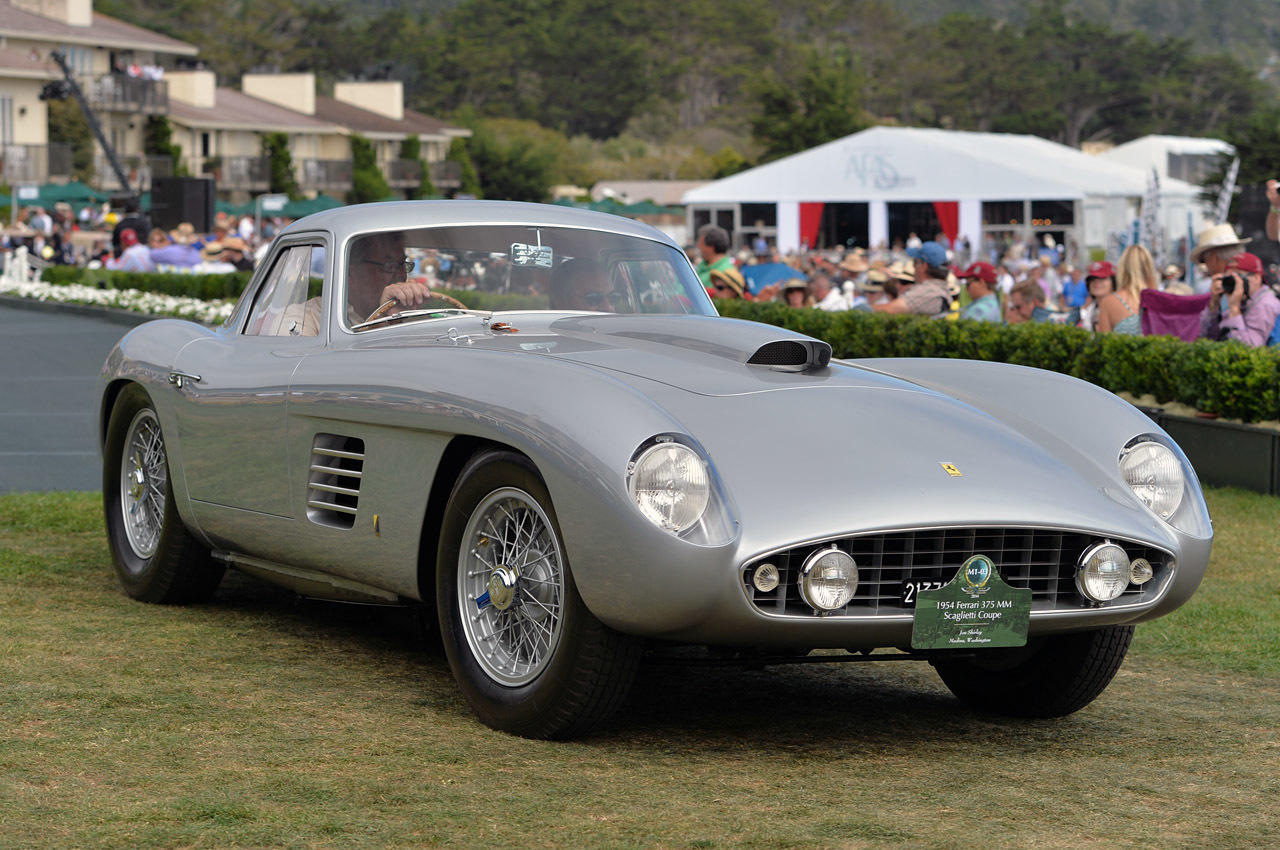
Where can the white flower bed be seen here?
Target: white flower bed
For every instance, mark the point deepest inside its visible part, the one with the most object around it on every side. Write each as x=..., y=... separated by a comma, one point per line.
x=151, y=303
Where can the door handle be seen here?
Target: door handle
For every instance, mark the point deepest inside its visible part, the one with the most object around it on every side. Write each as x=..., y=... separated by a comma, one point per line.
x=176, y=378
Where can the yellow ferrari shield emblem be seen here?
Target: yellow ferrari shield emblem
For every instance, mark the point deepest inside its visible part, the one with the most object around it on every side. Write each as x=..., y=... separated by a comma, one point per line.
x=951, y=470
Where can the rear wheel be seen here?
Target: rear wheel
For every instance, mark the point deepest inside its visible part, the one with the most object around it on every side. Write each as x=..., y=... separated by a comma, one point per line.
x=527, y=654
x=156, y=558
x=1050, y=677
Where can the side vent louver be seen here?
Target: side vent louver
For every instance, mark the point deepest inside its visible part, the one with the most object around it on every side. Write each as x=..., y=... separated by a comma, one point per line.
x=791, y=355
x=333, y=487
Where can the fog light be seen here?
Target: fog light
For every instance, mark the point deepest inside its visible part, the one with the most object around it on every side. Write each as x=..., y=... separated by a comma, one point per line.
x=1141, y=571
x=765, y=578
x=828, y=579
x=1104, y=572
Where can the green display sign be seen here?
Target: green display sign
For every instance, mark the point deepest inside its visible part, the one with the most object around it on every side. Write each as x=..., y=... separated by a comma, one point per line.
x=975, y=609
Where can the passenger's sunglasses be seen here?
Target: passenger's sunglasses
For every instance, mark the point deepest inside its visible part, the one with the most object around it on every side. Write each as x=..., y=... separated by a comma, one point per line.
x=392, y=266
x=595, y=299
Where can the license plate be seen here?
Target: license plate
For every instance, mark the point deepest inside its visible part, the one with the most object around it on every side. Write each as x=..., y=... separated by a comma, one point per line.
x=911, y=589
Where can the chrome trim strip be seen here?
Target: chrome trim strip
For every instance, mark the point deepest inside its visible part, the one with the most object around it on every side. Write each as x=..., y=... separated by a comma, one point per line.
x=333, y=488
x=333, y=470
x=330, y=506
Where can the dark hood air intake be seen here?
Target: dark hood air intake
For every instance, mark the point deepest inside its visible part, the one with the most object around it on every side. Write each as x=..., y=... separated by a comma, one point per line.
x=792, y=355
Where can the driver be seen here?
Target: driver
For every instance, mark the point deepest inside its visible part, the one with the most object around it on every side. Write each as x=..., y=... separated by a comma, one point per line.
x=375, y=276
x=581, y=284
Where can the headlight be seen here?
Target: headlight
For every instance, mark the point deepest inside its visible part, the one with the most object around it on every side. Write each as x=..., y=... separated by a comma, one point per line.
x=1154, y=473
x=828, y=579
x=670, y=484
x=1104, y=572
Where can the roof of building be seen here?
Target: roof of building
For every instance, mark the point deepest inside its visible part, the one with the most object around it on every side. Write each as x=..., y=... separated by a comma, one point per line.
x=1175, y=144
x=234, y=110
x=105, y=31
x=366, y=121
x=15, y=62
x=925, y=164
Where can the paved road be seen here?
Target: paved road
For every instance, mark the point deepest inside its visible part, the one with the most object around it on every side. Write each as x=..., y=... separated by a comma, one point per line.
x=49, y=364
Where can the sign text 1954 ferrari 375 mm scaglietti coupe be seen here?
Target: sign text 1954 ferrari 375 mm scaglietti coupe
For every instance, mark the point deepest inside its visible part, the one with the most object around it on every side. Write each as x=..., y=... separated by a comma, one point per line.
x=603, y=472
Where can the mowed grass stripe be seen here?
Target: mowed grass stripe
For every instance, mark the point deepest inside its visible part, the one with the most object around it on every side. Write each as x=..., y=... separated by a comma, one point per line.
x=258, y=720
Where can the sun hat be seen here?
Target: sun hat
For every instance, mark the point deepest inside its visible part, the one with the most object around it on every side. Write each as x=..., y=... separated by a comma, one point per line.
x=1218, y=236
x=731, y=278
x=211, y=251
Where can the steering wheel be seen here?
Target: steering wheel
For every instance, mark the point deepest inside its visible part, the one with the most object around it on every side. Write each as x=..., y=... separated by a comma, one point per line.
x=390, y=304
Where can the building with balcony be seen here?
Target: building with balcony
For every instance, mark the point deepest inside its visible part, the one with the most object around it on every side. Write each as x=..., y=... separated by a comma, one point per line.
x=107, y=57
x=220, y=133
x=374, y=110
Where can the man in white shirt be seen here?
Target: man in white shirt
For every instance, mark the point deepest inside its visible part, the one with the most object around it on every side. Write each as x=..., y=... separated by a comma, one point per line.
x=827, y=298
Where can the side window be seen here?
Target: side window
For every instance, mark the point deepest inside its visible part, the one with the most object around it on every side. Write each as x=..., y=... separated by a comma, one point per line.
x=289, y=302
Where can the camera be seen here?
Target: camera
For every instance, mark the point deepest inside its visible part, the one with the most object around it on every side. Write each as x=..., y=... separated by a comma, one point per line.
x=1228, y=284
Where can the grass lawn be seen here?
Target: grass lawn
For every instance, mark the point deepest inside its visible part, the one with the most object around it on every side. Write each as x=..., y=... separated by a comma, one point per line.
x=259, y=721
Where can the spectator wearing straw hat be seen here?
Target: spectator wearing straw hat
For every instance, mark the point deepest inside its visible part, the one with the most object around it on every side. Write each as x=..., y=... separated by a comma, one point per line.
x=1216, y=246
x=727, y=282
x=980, y=280
x=795, y=292
x=1243, y=308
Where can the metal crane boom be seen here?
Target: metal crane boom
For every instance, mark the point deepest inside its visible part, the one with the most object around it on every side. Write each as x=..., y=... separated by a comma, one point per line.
x=74, y=89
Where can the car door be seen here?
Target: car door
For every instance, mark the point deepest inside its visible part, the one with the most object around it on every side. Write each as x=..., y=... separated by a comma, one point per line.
x=232, y=391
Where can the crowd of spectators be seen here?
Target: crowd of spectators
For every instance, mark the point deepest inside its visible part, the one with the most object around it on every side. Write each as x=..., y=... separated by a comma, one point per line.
x=934, y=278
x=125, y=240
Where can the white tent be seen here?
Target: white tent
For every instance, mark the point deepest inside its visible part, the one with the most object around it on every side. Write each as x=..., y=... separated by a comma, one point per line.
x=885, y=165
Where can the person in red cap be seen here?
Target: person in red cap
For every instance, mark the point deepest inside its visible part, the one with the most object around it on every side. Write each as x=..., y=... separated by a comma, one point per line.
x=134, y=256
x=1100, y=278
x=1243, y=307
x=980, y=280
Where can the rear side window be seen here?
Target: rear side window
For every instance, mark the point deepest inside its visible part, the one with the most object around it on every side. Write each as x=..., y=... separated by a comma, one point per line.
x=289, y=302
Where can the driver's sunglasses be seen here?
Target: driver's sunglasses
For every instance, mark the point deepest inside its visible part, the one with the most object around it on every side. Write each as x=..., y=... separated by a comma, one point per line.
x=392, y=266
x=597, y=298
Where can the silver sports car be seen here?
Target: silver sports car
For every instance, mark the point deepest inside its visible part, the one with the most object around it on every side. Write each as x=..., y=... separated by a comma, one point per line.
x=604, y=468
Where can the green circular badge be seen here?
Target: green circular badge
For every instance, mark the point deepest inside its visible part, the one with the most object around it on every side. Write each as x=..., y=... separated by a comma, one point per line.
x=977, y=571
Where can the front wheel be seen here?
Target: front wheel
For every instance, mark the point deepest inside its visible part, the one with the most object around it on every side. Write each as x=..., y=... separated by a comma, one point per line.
x=1050, y=677
x=527, y=654
x=156, y=558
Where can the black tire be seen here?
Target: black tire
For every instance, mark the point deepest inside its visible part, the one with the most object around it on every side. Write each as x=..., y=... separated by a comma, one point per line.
x=1051, y=677
x=174, y=568
x=585, y=674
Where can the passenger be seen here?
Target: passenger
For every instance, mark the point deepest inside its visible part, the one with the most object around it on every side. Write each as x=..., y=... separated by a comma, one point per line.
x=582, y=284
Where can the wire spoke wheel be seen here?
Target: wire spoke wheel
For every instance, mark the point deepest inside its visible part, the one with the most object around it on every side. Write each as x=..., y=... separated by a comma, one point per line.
x=511, y=587
x=144, y=480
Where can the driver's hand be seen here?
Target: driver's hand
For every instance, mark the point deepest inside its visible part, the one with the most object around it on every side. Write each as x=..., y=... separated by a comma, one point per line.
x=407, y=294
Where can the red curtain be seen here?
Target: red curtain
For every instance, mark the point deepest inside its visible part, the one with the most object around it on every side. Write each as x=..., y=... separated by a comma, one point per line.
x=948, y=217
x=811, y=222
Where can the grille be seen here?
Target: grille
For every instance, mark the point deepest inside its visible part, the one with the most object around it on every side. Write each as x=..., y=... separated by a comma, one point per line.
x=333, y=485
x=1040, y=559
x=780, y=353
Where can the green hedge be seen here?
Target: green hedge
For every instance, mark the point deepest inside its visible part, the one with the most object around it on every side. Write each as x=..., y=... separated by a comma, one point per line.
x=1226, y=378
x=206, y=287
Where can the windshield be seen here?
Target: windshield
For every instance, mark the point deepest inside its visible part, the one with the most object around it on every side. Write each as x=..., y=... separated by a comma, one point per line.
x=408, y=275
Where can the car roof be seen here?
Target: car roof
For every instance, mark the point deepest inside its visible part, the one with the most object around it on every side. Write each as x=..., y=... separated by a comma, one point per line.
x=363, y=218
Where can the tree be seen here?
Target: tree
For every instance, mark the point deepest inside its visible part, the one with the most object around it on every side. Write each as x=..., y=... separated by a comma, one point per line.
x=157, y=140
x=367, y=182
x=822, y=105
x=512, y=171
x=67, y=125
x=470, y=181
x=275, y=147
x=1256, y=138
x=411, y=149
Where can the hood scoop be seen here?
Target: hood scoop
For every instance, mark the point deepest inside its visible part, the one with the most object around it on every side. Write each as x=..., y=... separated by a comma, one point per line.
x=792, y=355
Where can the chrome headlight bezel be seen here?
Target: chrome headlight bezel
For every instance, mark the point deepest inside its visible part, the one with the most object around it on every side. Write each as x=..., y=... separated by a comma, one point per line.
x=1154, y=473
x=712, y=525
